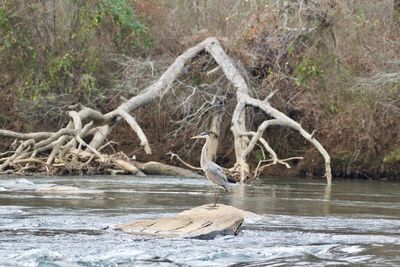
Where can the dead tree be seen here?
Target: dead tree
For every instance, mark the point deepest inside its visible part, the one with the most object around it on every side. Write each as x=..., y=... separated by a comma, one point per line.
x=51, y=148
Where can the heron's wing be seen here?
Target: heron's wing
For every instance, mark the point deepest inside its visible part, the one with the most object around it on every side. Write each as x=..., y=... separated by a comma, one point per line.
x=216, y=174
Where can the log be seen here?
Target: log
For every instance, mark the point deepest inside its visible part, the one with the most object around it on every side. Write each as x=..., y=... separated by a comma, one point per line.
x=128, y=167
x=201, y=222
x=157, y=168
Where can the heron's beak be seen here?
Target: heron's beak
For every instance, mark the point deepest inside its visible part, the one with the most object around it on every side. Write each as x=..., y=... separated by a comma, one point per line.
x=196, y=137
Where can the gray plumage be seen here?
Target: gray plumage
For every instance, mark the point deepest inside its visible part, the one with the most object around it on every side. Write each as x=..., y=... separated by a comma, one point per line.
x=216, y=175
x=213, y=171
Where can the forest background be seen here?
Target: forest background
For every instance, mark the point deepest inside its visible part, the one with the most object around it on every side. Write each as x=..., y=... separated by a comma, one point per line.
x=335, y=66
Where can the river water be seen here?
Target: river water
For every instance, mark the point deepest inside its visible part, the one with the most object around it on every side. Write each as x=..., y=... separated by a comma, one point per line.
x=302, y=222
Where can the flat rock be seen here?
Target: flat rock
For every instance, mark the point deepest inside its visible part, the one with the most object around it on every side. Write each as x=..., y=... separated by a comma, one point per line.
x=200, y=222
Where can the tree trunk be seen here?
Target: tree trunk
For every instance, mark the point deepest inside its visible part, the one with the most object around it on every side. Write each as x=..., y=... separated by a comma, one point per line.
x=215, y=133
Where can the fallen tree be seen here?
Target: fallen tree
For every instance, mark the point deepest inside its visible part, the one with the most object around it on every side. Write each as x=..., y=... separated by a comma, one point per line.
x=57, y=149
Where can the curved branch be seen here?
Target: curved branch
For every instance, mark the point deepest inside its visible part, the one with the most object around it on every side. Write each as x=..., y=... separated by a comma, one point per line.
x=136, y=128
x=173, y=155
x=25, y=136
x=99, y=136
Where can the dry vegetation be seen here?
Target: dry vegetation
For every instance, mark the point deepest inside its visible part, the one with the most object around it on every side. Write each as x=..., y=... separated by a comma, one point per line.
x=335, y=65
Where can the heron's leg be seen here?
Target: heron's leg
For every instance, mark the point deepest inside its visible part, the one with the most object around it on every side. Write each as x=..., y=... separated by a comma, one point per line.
x=216, y=197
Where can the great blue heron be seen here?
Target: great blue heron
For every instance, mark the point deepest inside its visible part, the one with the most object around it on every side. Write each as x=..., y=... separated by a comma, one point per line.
x=213, y=171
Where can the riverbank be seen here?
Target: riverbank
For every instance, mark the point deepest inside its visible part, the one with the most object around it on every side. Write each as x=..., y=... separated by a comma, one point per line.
x=337, y=75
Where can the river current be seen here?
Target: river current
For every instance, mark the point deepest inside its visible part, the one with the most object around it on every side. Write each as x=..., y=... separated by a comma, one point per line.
x=301, y=222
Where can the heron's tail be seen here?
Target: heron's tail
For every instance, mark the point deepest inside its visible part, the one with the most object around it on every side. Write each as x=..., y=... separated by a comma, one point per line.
x=226, y=187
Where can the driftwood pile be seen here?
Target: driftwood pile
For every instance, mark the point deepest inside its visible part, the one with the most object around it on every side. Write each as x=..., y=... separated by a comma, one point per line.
x=77, y=147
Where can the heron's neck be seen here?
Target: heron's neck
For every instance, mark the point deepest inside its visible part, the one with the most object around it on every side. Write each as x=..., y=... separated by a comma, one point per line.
x=203, y=159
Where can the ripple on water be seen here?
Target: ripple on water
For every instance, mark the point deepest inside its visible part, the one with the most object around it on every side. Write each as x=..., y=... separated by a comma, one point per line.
x=35, y=256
